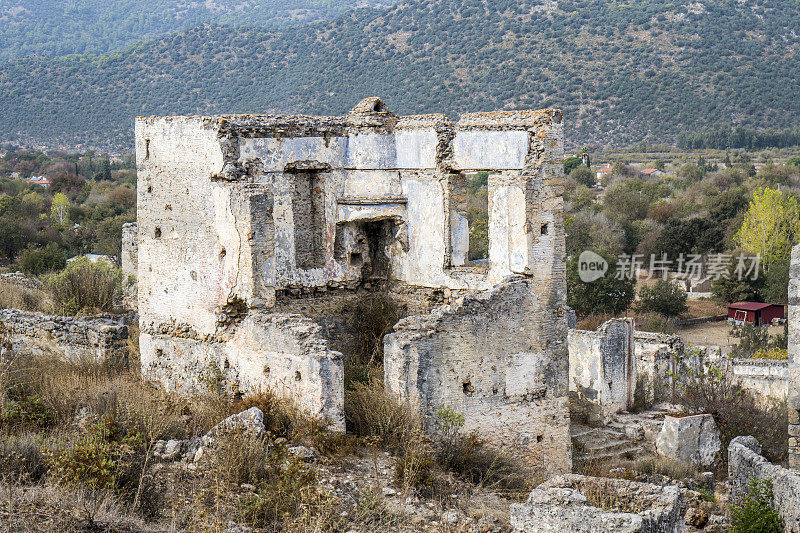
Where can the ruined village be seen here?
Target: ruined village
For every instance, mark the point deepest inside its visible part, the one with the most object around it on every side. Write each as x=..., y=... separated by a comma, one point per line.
x=399, y=266
x=307, y=340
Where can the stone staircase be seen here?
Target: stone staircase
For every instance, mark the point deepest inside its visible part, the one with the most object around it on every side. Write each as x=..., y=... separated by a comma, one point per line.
x=627, y=437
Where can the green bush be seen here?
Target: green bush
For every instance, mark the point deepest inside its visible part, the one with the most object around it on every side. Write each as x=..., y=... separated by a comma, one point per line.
x=752, y=339
x=583, y=175
x=664, y=297
x=104, y=458
x=86, y=286
x=36, y=261
x=755, y=514
x=469, y=457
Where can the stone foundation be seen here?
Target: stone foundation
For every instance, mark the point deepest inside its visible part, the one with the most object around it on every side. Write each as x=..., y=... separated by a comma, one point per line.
x=282, y=353
x=564, y=504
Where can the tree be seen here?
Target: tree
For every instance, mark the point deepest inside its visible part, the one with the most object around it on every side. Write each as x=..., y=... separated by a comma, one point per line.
x=583, y=175
x=572, y=163
x=623, y=202
x=726, y=291
x=793, y=161
x=607, y=295
x=59, y=209
x=771, y=226
x=664, y=297
x=695, y=235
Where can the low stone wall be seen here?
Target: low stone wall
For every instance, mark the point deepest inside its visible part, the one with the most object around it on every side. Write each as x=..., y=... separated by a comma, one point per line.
x=284, y=353
x=560, y=505
x=73, y=338
x=745, y=463
x=763, y=376
x=19, y=279
x=499, y=358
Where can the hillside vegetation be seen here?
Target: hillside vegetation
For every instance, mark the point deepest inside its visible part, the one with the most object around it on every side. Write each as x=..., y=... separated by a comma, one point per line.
x=52, y=28
x=622, y=71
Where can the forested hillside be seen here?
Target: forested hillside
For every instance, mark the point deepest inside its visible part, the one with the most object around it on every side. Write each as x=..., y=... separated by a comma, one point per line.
x=622, y=71
x=53, y=27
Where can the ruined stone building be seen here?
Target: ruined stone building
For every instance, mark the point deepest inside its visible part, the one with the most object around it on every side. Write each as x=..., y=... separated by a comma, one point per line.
x=257, y=234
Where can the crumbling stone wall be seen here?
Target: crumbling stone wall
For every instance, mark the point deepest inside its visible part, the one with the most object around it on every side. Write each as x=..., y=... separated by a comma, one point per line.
x=78, y=339
x=601, y=366
x=499, y=358
x=616, y=366
x=242, y=218
x=745, y=463
x=130, y=248
x=659, y=357
x=794, y=359
x=285, y=353
x=561, y=505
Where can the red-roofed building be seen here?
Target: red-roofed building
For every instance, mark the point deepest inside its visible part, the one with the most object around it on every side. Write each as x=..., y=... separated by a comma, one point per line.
x=604, y=171
x=652, y=172
x=754, y=313
x=40, y=180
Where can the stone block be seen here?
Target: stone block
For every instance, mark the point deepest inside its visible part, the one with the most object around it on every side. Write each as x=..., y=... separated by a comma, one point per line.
x=690, y=439
x=476, y=150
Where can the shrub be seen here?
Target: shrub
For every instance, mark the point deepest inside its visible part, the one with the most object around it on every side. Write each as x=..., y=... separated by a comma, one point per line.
x=775, y=354
x=583, y=175
x=755, y=514
x=21, y=457
x=283, y=486
x=752, y=339
x=472, y=459
x=86, y=286
x=102, y=459
x=605, y=295
x=736, y=410
x=37, y=261
x=593, y=321
x=656, y=323
x=663, y=297
x=282, y=417
x=370, y=410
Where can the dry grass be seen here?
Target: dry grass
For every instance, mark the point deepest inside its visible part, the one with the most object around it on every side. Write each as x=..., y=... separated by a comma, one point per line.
x=592, y=322
x=15, y=296
x=51, y=507
x=371, y=411
x=604, y=494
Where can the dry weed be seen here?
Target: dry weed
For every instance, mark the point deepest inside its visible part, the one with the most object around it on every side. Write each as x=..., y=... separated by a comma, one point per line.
x=15, y=296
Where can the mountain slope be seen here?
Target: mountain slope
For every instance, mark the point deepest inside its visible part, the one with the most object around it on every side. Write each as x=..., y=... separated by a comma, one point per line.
x=621, y=71
x=58, y=27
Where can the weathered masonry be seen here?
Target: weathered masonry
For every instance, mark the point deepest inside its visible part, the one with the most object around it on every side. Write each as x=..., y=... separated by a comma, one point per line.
x=256, y=233
x=794, y=359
